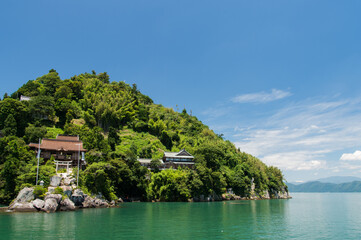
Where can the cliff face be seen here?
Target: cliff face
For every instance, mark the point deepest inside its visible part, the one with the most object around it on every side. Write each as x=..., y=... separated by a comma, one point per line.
x=269, y=194
x=283, y=194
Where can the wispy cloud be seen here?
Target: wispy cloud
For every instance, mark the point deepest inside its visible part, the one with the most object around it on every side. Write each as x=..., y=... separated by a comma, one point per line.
x=216, y=112
x=303, y=137
x=226, y=108
x=350, y=165
x=261, y=97
x=299, y=160
x=304, y=134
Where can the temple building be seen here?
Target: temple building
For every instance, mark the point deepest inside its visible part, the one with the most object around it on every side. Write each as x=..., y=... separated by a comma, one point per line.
x=171, y=159
x=66, y=150
x=24, y=98
x=178, y=159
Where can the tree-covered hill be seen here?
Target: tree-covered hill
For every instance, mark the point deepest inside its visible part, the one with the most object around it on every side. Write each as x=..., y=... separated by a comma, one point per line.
x=118, y=124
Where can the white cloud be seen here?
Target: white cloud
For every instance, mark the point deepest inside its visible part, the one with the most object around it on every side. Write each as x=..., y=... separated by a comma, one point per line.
x=356, y=156
x=261, y=97
x=294, y=161
x=303, y=135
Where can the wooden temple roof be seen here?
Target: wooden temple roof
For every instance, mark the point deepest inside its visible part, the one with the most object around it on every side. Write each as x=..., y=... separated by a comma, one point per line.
x=61, y=143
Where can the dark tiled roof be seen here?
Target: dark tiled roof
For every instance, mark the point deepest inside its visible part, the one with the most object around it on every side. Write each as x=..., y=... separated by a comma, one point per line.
x=181, y=154
x=61, y=143
x=67, y=137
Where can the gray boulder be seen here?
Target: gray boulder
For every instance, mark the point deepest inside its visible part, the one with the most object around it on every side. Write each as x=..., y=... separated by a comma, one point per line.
x=69, y=181
x=67, y=205
x=101, y=203
x=51, y=190
x=50, y=206
x=66, y=181
x=23, y=207
x=57, y=197
x=95, y=203
x=89, y=203
x=77, y=197
x=55, y=181
x=51, y=203
x=78, y=192
x=38, y=203
x=25, y=195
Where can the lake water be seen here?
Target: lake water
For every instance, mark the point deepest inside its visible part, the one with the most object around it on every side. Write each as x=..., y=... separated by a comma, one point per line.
x=306, y=216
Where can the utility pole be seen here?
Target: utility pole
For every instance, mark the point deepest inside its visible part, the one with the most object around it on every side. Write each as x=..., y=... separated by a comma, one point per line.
x=37, y=171
x=77, y=180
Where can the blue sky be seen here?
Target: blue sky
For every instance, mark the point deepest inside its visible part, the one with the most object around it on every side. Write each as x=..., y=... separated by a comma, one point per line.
x=280, y=79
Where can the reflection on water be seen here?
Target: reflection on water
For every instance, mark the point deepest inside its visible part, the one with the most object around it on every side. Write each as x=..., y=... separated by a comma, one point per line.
x=307, y=216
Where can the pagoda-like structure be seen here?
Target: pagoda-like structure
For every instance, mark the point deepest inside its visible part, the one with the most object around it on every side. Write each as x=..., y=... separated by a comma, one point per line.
x=171, y=160
x=178, y=159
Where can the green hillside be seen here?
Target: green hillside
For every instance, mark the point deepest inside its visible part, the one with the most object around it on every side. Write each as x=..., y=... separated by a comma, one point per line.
x=117, y=124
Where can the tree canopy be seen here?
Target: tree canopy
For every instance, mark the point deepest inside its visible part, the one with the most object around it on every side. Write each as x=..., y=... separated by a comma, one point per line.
x=117, y=124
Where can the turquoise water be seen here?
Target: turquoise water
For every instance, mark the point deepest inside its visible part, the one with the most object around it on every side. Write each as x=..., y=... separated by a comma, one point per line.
x=306, y=216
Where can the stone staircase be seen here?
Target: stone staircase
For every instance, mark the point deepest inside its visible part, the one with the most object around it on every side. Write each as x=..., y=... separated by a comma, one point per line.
x=65, y=181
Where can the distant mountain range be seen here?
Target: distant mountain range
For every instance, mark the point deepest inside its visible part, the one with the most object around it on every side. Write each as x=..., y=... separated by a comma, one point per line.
x=338, y=179
x=330, y=184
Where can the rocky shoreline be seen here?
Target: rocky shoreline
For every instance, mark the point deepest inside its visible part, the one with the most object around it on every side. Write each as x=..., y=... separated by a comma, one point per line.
x=27, y=201
x=264, y=196
x=283, y=194
x=72, y=198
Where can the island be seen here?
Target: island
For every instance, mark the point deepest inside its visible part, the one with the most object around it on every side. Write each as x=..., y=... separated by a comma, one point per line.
x=116, y=143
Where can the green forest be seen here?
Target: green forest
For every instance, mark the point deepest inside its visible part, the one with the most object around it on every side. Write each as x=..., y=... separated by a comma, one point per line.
x=118, y=124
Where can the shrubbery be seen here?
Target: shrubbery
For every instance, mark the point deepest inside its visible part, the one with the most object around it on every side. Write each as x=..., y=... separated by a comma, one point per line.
x=58, y=190
x=39, y=191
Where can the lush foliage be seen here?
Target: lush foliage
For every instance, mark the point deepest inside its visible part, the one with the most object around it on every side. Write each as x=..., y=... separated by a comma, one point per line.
x=39, y=191
x=117, y=124
x=58, y=190
x=169, y=185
